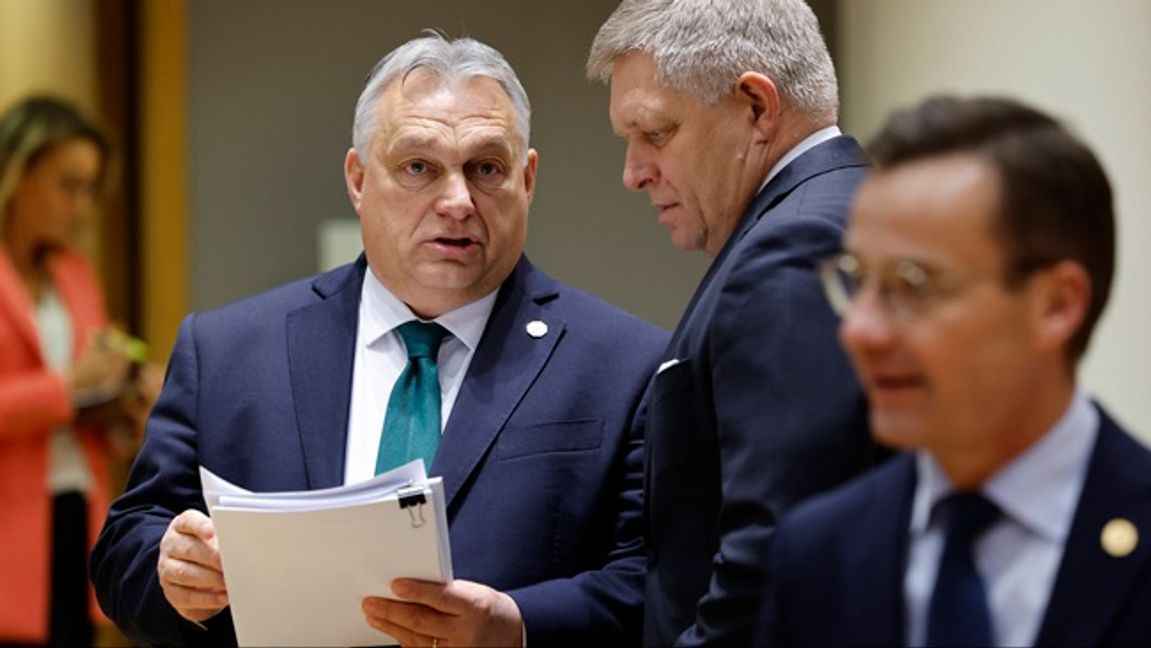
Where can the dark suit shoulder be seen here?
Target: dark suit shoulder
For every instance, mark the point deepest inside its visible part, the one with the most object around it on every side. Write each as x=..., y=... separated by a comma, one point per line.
x=820, y=203
x=836, y=563
x=601, y=311
x=592, y=317
x=1129, y=453
x=830, y=514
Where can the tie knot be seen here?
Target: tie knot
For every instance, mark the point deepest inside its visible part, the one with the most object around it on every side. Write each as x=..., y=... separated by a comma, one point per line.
x=969, y=513
x=422, y=339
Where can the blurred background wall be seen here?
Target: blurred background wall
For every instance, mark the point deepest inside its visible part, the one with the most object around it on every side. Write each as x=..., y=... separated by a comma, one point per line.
x=26, y=65
x=236, y=115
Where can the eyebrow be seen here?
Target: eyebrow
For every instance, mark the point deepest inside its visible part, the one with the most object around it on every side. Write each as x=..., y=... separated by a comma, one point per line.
x=496, y=143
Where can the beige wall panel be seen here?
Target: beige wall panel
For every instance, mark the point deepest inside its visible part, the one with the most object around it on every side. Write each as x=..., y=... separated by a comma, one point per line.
x=47, y=46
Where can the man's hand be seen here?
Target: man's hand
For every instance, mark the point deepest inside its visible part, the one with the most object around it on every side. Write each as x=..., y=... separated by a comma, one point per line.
x=460, y=613
x=189, y=567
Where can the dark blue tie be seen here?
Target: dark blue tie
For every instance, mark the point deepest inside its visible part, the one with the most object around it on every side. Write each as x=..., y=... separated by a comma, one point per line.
x=959, y=615
x=412, y=423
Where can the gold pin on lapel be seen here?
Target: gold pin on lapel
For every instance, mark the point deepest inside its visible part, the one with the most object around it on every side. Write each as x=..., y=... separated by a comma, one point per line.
x=537, y=329
x=1119, y=538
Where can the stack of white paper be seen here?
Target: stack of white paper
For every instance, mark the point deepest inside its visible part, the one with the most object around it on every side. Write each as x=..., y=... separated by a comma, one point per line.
x=298, y=564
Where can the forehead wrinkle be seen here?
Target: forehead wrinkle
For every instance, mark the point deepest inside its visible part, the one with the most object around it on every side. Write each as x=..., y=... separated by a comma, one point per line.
x=444, y=117
x=469, y=143
x=639, y=111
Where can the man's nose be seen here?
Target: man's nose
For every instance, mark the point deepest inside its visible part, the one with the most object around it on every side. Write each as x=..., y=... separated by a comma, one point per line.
x=455, y=199
x=639, y=170
x=867, y=324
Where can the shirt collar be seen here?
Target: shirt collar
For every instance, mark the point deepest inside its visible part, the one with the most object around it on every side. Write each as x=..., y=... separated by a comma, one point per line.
x=811, y=141
x=382, y=311
x=1039, y=489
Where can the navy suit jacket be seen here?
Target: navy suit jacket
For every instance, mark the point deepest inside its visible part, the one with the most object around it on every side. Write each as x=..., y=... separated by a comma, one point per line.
x=756, y=406
x=541, y=457
x=838, y=561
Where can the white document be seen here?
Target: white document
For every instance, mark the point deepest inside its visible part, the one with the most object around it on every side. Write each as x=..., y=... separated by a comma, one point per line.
x=298, y=564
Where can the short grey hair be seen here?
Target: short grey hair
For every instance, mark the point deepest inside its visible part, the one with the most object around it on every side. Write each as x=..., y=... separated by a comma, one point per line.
x=453, y=61
x=702, y=47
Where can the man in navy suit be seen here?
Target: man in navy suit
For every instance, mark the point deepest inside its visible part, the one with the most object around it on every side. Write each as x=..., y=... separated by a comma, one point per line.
x=978, y=260
x=729, y=114
x=540, y=385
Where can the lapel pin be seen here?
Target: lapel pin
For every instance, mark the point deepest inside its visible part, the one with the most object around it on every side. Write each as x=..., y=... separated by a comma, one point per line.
x=1119, y=538
x=537, y=329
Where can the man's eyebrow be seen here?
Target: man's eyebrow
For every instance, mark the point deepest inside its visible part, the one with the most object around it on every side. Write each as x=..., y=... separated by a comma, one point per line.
x=409, y=142
x=490, y=143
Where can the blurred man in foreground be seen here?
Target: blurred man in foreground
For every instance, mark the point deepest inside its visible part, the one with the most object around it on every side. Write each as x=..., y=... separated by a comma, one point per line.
x=978, y=260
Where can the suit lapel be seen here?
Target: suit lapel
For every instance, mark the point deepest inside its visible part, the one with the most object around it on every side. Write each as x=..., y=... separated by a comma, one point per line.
x=14, y=300
x=837, y=153
x=321, y=354
x=506, y=363
x=880, y=541
x=1091, y=585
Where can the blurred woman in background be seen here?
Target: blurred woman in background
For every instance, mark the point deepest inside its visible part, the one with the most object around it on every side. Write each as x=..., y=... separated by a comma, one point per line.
x=66, y=378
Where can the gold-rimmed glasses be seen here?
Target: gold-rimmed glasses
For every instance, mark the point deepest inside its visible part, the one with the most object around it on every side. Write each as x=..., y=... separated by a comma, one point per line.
x=907, y=289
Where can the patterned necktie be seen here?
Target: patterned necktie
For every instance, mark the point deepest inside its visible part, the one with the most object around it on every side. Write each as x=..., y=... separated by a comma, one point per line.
x=412, y=424
x=959, y=615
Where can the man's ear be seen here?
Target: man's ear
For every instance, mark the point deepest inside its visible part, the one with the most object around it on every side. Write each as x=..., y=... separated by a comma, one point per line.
x=758, y=94
x=530, y=173
x=1061, y=302
x=354, y=177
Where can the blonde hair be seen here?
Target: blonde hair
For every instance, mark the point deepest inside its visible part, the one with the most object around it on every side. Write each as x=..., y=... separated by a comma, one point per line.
x=31, y=128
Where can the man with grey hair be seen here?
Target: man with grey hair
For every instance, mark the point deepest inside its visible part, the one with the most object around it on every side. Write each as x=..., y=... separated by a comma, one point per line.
x=529, y=414
x=728, y=110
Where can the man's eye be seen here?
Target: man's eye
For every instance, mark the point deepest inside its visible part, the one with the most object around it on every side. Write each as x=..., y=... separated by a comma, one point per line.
x=903, y=287
x=659, y=136
x=487, y=170
x=913, y=286
x=416, y=167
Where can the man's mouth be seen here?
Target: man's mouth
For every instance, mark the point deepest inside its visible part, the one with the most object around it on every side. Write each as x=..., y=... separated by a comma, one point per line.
x=462, y=242
x=891, y=386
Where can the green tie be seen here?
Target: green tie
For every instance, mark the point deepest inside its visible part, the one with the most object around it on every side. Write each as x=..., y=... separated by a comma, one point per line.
x=412, y=424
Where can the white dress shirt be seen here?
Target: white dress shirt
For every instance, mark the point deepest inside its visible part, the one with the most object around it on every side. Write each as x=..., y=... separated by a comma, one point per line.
x=67, y=466
x=381, y=358
x=1018, y=556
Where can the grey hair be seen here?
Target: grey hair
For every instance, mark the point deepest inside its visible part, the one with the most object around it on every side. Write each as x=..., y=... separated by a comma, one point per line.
x=453, y=61
x=702, y=47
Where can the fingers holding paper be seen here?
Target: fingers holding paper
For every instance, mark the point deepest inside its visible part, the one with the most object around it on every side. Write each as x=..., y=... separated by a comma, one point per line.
x=189, y=567
x=460, y=613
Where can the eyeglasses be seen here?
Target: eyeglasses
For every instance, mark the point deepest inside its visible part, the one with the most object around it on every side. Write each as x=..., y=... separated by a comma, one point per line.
x=907, y=289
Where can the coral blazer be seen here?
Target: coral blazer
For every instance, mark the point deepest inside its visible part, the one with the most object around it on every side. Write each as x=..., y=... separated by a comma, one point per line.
x=33, y=402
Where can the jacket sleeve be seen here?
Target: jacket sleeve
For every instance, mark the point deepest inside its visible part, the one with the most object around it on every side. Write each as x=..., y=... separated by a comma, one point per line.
x=605, y=603
x=33, y=402
x=164, y=482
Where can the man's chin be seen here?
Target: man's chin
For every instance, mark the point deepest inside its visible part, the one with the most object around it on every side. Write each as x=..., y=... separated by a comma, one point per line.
x=687, y=241
x=899, y=430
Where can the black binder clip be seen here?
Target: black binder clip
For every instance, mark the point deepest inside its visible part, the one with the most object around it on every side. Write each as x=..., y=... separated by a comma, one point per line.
x=413, y=499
